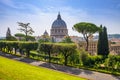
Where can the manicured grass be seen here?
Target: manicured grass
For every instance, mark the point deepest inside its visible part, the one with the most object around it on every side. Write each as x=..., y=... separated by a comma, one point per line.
x=15, y=70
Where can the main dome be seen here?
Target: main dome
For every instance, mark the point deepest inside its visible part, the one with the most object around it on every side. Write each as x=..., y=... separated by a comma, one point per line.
x=59, y=23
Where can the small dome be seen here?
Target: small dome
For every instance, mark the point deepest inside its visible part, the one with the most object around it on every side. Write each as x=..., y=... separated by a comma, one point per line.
x=45, y=33
x=59, y=22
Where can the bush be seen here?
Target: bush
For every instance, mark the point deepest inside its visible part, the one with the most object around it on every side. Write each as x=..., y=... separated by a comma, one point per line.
x=74, y=59
x=46, y=48
x=112, y=62
x=65, y=49
x=27, y=46
x=84, y=56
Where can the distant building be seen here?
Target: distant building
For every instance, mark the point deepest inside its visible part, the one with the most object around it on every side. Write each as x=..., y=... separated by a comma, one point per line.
x=45, y=36
x=115, y=46
x=76, y=39
x=115, y=49
x=92, y=48
x=45, y=33
x=58, y=29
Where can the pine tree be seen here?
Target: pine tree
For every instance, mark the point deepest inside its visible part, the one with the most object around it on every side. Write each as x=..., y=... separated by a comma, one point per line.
x=24, y=27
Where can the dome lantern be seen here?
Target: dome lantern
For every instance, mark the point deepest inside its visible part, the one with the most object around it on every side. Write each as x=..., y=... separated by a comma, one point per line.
x=59, y=16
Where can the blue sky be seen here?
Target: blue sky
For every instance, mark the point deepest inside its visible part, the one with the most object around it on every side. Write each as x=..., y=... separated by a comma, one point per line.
x=41, y=14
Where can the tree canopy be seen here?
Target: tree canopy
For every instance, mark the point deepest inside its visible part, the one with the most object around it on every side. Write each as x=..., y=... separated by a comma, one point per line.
x=24, y=27
x=87, y=30
x=19, y=35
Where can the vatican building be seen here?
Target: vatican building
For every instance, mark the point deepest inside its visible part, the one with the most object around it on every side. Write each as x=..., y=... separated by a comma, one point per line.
x=59, y=29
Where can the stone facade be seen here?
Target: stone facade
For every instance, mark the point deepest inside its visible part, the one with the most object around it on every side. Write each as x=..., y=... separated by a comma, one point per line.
x=92, y=49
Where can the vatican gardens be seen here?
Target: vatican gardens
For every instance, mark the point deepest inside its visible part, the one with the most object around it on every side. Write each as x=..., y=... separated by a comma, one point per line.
x=61, y=49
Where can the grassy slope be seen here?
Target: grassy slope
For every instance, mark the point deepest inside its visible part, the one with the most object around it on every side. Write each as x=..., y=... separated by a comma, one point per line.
x=14, y=70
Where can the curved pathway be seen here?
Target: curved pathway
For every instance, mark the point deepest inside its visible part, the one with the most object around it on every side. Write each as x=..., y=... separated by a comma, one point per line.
x=92, y=75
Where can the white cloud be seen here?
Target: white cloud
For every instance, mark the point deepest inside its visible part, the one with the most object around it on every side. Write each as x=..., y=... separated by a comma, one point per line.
x=42, y=18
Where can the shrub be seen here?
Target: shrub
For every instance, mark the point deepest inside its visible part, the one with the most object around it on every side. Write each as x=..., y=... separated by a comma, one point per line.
x=46, y=48
x=27, y=46
x=112, y=62
x=74, y=59
x=84, y=56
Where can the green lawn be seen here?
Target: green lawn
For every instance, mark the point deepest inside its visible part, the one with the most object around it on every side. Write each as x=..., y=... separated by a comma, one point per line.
x=15, y=70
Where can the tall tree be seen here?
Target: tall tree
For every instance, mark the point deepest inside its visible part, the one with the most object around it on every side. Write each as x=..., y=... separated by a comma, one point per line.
x=103, y=44
x=87, y=30
x=105, y=41
x=26, y=29
x=100, y=41
x=8, y=34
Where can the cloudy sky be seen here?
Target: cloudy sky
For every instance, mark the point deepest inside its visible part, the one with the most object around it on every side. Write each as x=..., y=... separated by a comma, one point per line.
x=41, y=13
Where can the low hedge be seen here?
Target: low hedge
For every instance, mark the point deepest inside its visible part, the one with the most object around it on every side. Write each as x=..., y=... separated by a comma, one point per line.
x=7, y=46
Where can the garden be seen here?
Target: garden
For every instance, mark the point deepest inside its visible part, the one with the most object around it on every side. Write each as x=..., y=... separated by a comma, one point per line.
x=63, y=54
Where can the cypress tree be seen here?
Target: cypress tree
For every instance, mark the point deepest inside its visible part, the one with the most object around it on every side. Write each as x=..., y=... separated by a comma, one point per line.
x=8, y=34
x=103, y=45
x=105, y=41
x=99, y=46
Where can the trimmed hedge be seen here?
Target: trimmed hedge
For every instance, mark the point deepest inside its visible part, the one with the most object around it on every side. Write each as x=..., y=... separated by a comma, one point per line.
x=7, y=46
x=64, y=49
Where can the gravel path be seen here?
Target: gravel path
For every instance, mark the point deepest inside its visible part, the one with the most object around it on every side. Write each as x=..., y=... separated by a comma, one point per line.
x=92, y=75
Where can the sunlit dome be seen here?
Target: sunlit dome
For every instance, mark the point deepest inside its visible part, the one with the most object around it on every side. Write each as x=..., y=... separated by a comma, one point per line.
x=59, y=22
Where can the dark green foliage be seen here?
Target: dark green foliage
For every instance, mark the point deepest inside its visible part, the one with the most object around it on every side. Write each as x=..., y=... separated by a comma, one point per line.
x=103, y=45
x=47, y=48
x=100, y=41
x=87, y=30
x=66, y=51
x=19, y=35
x=12, y=38
x=31, y=38
x=44, y=40
x=27, y=46
x=22, y=37
x=94, y=61
x=84, y=56
x=74, y=59
x=9, y=37
x=24, y=46
x=112, y=63
x=8, y=34
x=105, y=42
